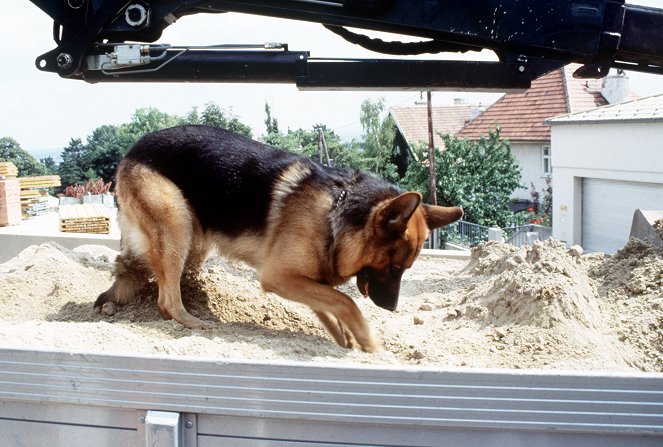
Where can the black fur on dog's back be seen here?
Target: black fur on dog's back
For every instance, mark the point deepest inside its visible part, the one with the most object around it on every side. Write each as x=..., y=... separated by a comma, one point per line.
x=229, y=179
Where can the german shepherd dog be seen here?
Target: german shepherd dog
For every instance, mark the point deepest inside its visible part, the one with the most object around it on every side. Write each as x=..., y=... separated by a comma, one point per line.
x=185, y=191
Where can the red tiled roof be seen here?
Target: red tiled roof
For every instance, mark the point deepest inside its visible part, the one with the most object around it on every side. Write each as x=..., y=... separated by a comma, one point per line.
x=583, y=94
x=412, y=121
x=521, y=116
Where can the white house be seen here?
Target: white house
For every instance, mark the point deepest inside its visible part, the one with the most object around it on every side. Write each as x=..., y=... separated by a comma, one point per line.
x=522, y=118
x=607, y=162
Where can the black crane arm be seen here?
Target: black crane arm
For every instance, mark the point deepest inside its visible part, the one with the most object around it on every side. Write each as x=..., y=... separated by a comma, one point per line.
x=112, y=40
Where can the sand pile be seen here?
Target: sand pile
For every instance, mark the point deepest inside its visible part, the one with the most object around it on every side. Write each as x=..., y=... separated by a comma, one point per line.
x=632, y=282
x=540, y=306
x=541, y=285
x=658, y=226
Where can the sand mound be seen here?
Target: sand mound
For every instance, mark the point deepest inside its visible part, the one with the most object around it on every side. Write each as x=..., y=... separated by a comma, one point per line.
x=540, y=306
x=658, y=226
x=632, y=282
x=541, y=284
x=636, y=269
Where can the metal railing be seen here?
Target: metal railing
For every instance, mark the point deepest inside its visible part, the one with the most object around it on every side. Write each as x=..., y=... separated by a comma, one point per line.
x=522, y=234
x=465, y=235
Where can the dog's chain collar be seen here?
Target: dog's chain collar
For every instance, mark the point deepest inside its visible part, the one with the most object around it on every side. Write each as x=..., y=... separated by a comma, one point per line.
x=343, y=189
x=341, y=197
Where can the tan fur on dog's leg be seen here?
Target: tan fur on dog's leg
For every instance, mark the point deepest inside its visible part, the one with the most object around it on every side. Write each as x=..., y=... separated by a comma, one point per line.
x=323, y=299
x=340, y=334
x=160, y=223
x=170, y=246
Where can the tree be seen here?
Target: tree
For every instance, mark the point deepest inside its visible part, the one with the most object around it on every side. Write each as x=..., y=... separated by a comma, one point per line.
x=378, y=141
x=74, y=163
x=479, y=175
x=213, y=115
x=271, y=123
x=105, y=148
x=305, y=142
x=50, y=166
x=26, y=164
x=145, y=121
x=341, y=154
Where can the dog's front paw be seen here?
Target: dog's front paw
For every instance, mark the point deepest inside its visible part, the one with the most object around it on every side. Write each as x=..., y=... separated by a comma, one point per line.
x=371, y=345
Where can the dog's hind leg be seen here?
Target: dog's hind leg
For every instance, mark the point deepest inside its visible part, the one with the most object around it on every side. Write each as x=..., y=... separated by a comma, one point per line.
x=131, y=274
x=170, y=233
x=199, y=250
x=159, y=227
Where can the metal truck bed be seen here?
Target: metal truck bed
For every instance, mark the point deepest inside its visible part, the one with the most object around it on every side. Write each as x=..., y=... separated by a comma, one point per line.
x=64, y=399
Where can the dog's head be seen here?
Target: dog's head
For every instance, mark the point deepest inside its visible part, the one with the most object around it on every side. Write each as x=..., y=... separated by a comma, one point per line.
x=399, y=228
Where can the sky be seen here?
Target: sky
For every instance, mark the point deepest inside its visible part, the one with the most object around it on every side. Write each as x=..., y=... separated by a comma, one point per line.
x=43, y=111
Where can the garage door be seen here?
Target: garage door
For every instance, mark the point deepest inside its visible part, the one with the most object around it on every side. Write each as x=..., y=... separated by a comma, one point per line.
x=608, y=207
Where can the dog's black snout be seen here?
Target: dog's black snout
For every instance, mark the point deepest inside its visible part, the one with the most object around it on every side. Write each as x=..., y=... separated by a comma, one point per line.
x=384, y=288
x=387, y=301
x=390, y=307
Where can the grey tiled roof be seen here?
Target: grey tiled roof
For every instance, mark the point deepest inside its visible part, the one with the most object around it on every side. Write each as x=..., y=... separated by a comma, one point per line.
x=644, y=109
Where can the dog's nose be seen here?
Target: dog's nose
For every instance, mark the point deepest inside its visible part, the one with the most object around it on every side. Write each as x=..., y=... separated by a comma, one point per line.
x=384, y=291
x=382, y=287
x=389, y=307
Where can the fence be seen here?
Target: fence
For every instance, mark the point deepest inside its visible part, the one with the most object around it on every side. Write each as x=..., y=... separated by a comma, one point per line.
x=525, y=234
x=465, y=235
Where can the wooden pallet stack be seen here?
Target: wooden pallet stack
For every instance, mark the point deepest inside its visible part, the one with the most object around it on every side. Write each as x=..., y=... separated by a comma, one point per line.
x=33, y=190
x=10, y=203
x=8, y=169
x=86, y=218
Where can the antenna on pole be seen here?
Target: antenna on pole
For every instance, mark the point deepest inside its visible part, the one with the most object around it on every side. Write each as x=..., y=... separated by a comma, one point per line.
x=322, y=148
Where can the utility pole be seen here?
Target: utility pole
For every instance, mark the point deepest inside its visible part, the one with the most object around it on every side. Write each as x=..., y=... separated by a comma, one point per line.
x=322, y=148
x=431, y=165
x=431, y=152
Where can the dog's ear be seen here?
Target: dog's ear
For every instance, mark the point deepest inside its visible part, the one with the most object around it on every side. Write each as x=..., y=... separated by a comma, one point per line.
x=440, y=216
x=392, y=218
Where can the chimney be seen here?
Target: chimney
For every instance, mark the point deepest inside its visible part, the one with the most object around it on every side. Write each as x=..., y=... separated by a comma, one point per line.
x=615, y=87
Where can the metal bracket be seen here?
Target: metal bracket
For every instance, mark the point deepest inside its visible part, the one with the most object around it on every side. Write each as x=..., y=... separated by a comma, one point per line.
x=162, y=429
x=122, y=56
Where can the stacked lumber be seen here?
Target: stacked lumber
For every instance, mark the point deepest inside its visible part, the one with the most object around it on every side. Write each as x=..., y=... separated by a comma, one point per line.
x=33, y=189
x=10, y=204
x=40, y=181
x=86, y=218
x=8, y=169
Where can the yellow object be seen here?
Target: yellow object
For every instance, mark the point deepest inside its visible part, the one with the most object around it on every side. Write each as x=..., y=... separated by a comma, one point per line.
x=86, y=218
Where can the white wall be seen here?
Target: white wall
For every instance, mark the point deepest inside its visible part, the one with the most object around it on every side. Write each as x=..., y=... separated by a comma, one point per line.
x=616, y=151
x=531, y=168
